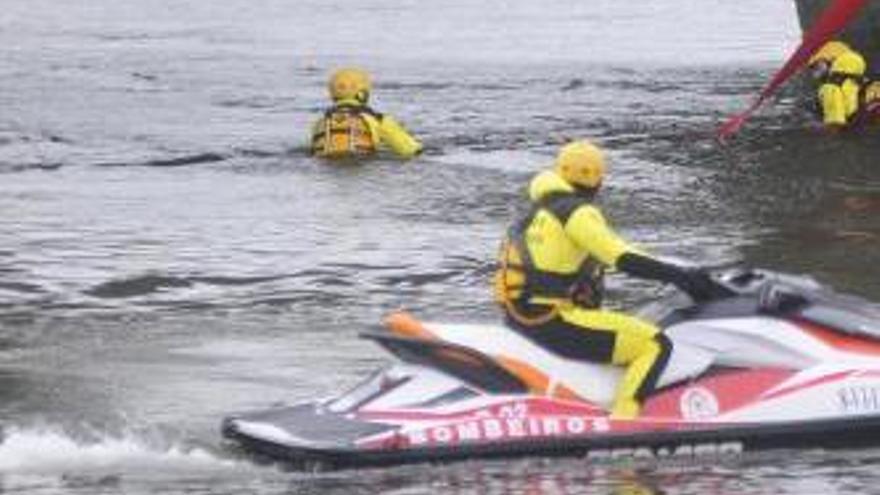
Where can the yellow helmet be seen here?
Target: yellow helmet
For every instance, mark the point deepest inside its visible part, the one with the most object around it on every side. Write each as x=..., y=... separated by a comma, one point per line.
x=850, y=64
x=829, y=52
x=581, y=163
x=349, y=83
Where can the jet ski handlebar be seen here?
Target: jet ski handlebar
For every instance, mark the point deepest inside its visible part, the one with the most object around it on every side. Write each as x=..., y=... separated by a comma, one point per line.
x=705, y=285
x=701, y=285
x=773, y=289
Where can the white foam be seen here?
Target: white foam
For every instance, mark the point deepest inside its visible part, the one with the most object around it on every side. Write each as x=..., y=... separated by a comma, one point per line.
x=47, y=452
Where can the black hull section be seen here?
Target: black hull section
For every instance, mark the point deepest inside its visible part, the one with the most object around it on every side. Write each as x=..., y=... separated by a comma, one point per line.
x=724, y=442
x=863, y=33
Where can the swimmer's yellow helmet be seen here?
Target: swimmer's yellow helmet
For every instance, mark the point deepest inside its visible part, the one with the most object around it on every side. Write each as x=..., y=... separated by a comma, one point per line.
x=349, y=84
x=581, y=163
x=829, y=52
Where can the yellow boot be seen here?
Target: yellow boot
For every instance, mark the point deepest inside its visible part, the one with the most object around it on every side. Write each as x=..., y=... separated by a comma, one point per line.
x=625, y=408
x=640, y=356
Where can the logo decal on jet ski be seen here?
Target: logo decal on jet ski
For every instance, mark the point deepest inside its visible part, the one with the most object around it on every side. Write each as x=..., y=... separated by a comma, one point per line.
x=859, y=399
x=698, y=403
x=723, y=449
x=483, y=429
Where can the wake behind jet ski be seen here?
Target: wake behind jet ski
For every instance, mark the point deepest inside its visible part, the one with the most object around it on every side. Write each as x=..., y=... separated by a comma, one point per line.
x=782, y=363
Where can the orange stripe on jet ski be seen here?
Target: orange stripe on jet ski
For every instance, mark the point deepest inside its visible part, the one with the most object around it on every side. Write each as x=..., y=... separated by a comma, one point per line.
x=840, y=341
x=405, y=325
x=564, y=393
x=536, y=380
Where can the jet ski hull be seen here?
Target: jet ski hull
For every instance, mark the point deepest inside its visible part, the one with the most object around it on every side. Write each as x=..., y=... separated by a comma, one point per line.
x=686, y=442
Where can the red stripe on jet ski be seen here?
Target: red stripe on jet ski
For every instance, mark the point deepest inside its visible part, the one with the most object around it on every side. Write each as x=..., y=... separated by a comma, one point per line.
x=841, y=341
x=496, y=430
x=714, y=395
x=529, y=405
x=833, y=377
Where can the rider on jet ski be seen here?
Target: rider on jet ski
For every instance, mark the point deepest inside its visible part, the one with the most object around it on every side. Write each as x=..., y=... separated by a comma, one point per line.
x=550, y=280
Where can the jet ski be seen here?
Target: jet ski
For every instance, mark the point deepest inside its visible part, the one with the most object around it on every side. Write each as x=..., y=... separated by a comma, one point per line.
x=781, y=362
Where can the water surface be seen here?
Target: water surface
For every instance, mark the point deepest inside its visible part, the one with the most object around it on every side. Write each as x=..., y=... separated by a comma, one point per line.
x=168, y=253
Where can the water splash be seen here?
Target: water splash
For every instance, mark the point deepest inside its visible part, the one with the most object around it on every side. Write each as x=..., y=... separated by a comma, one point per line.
x=30, y=452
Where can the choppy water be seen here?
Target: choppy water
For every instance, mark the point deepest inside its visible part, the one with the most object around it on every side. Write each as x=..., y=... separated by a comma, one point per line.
x=168, y=254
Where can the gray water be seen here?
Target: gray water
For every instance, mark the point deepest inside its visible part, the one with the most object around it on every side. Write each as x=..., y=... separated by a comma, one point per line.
x=169, y=254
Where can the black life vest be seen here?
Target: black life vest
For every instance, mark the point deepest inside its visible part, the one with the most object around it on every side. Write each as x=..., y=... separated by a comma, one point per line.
x=518, y=279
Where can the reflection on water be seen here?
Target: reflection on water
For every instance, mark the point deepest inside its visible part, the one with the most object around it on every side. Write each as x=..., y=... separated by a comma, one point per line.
x=757, y=474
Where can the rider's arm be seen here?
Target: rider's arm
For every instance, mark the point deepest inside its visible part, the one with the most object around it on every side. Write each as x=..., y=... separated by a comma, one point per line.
x=397, y=138
x=589, y=229
x=646, y=267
